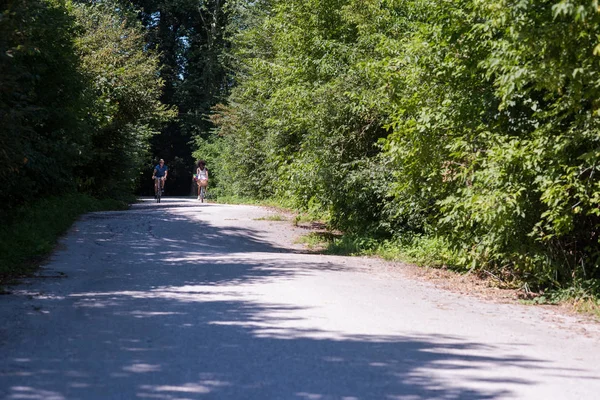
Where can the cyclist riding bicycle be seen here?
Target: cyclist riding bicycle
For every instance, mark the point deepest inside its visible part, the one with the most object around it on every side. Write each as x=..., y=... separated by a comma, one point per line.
x=202, y=179
x=159, y=175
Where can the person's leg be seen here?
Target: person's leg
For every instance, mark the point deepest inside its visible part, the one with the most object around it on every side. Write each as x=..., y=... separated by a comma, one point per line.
x=203, y=190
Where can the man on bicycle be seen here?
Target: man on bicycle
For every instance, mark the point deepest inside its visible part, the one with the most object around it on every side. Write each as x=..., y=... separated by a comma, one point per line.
x=159, y=176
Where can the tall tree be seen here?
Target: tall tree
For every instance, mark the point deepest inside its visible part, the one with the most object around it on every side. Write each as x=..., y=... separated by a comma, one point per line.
x=126, y=111
x=41, y=100
x=79, y=98
x=189, y=36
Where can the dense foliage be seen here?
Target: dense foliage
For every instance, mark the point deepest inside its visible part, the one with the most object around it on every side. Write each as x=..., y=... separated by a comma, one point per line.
x=126, y=110
x=474, y=123
x=42, y=103
x=79, y=99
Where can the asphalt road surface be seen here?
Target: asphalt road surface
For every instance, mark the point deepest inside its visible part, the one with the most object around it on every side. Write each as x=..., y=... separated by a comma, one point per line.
x=182, y=300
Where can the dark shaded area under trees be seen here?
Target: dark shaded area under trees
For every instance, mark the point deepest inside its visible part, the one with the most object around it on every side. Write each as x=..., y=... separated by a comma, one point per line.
x=79, y=99
x=189, y=36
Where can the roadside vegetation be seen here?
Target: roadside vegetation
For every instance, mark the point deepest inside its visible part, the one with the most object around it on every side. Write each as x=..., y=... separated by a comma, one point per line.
x=461, y=133
x=274, y=217
x=79, y=102
x=437, y=261
x=31, y=233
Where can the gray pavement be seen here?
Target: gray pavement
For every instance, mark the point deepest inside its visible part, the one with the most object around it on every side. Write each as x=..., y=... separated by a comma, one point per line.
x=182, y=300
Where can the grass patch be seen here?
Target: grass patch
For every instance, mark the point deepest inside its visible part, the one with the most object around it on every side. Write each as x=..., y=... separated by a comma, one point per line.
x=317, y=240
x=303, y=218
x=31, y=233
x=274, y=217
x=589, y=306
x=582, y=296
x=250, y=201
x=421, y=250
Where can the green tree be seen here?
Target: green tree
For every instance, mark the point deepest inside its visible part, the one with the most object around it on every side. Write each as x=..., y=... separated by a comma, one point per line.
x=466, y=121
x=41, y=101
x=303, y=129
x=189, y=36
x=126, y=90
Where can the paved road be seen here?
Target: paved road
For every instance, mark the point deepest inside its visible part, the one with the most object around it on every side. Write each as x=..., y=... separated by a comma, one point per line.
x=200, y=301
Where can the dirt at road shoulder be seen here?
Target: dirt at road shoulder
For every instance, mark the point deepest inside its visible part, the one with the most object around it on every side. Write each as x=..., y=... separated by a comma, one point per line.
x=487, y=289
x=479, y=286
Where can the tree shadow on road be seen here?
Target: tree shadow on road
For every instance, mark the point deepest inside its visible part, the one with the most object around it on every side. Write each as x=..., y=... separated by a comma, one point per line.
x=178, y=345
x=173, y=320
x=165, y=229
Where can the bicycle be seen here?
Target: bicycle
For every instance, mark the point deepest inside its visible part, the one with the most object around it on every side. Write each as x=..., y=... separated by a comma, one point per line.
x=158, y=189
x=202, y=191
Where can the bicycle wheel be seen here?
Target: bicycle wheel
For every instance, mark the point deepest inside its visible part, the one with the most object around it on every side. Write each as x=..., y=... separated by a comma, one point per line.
x=158, y=190
x=202, y=194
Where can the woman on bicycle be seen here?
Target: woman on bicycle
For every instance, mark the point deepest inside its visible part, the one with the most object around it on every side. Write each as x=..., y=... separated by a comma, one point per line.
x=202, y=179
